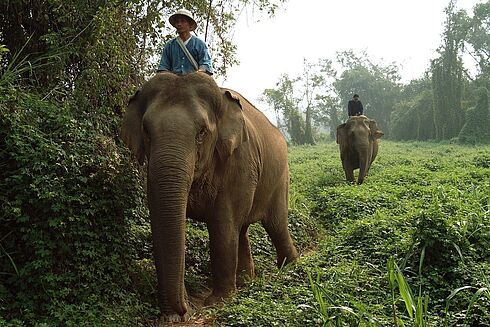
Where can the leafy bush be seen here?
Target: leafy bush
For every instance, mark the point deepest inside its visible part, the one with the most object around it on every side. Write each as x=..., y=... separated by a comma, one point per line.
x=69, y=198
x=475, y=130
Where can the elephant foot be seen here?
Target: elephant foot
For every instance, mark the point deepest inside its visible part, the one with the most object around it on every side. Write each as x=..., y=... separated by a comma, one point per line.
x=217, y=298
x=244, y=275
x=283, y=260
x=244, y=278
x=169, y=318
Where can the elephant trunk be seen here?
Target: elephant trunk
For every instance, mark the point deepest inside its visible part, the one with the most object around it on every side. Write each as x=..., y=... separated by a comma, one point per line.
x=169, y=180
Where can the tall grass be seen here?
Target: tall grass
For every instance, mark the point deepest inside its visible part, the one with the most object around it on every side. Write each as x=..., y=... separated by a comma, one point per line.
x=477, y=296
x=324, y=301
x=21, y=65
x=416, y=306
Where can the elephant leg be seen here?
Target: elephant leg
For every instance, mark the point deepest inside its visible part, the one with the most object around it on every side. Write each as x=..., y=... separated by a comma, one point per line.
x=363, y=167
x=276, y=225
x=286, y=251
x=223, y=242
x=349, y=171
x=245, y=268
x=349, y=175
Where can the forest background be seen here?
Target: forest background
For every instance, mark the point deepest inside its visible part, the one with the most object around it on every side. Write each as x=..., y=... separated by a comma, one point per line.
x=73, y=208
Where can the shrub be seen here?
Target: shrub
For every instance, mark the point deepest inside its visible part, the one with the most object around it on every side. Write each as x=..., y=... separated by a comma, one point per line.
x=475, y=130
x=69, y=198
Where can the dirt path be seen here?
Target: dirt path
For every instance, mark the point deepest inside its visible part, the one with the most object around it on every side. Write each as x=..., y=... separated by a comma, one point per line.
x=194, y=322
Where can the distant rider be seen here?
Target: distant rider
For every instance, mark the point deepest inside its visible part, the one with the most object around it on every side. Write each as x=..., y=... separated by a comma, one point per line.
x=354, y=106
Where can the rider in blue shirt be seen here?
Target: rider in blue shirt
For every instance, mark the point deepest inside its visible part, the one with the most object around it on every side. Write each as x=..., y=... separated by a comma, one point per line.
x=173, y=57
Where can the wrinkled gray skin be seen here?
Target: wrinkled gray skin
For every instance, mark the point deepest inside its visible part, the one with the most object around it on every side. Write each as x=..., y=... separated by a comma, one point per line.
x=215, y=158
x=358, y=143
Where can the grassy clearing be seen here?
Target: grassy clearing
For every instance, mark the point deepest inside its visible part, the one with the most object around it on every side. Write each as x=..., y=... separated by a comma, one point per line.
x=408, y=247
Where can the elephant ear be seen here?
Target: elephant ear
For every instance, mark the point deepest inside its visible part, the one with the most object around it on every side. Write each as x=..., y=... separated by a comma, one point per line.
x=341, y=135
x=232, y=129
x=131, y=131
x=376, y=133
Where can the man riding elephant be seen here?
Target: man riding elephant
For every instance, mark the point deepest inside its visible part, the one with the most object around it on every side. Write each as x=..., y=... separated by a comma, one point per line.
x=354, y=107
x=185, y=53
x=358, y=143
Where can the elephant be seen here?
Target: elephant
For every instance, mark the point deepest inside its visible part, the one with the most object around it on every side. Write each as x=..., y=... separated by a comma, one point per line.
x=213, y=157
x=358, y=142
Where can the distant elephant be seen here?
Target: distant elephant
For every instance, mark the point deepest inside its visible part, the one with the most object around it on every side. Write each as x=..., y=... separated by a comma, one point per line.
x=358, y=142
x=212, y=156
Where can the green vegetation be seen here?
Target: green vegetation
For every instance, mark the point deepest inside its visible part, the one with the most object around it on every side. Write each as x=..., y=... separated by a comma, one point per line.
x=71, y=202
x=407, y=248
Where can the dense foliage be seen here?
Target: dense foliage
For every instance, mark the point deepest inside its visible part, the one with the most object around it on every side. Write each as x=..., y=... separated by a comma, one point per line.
x=447, y=80
x=411, y=119
x=477, y=120
x=70, y=203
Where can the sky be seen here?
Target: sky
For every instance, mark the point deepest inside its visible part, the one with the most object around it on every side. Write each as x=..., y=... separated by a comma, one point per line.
x=405, y=31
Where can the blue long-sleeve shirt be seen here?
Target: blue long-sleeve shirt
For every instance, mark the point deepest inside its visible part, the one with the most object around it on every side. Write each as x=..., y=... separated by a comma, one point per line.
x=174, y=59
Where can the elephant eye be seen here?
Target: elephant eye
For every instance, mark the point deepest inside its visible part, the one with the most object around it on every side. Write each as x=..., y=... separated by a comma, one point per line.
x=201, y=135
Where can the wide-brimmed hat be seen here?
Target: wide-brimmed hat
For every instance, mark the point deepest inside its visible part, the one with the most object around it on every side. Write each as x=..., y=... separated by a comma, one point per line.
x=186, y=13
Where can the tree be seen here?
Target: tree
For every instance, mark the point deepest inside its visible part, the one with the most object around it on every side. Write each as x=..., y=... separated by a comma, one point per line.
x=412, y=118
x=285, y=105
x=449, y=87
x=69, y=31
x=324, y=100
x=477, y=41
x=475, y=130
x=322, y=93
x=305, y=102
x=378, y=85
x=447, y=78
x=316, y=95
x=328, y=112
x=310, y=84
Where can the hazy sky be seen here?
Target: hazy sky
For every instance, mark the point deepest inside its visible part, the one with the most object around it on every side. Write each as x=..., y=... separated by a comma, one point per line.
x=405, y=31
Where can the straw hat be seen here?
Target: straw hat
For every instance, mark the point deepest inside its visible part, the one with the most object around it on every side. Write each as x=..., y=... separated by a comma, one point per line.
x=187, y=14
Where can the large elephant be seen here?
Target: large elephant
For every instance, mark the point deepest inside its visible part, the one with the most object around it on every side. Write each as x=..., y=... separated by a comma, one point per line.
x=212, y=156
x=358, y=143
